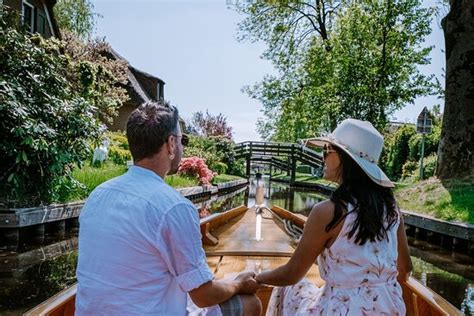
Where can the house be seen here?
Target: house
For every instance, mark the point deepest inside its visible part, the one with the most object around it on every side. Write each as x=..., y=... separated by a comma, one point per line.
x=141, y=87
x=393, y=126
x=37, y=15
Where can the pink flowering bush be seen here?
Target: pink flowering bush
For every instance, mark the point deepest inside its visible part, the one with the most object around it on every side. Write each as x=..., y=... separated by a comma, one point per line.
x=196, y=167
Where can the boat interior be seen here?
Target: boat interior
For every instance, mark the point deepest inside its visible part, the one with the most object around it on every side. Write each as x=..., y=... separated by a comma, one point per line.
x=258, y=239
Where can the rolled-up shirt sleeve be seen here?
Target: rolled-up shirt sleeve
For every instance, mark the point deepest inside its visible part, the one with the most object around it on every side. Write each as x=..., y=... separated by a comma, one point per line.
x=184, y=254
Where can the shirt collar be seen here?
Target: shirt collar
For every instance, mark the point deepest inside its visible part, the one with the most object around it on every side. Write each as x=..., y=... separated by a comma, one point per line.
x=144, y=172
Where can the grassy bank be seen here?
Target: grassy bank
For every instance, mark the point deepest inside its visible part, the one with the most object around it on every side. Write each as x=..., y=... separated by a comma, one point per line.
x=181, y=181
x=91, y=177
x=304, y=177
x=451, y=200
x=224, y=178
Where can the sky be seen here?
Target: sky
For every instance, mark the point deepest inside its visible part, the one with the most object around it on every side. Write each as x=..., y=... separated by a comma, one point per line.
x=192, y=46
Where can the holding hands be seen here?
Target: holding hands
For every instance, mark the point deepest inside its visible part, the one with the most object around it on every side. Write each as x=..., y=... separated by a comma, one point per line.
x=247, y=282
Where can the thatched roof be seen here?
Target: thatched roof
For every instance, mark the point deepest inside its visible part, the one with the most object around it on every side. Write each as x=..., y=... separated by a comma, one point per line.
x=135, y=87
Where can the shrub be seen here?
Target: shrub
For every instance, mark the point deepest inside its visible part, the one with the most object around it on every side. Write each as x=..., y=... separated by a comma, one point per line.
x=195, y=166
x=429, y=165
x=219, y=167
x=431, y=145
x=397, y=151
x=46, y=125
x=238, y=168
x=118, y=139
x=409, y=169
x=213, y=150
x=119, y=151
x=119, y=156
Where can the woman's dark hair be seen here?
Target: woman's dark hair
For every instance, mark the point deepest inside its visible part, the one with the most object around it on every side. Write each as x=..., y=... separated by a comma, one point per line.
x=374, y=204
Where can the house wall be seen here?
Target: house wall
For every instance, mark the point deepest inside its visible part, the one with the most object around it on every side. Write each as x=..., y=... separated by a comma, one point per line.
x=13, y=4
x=120, y=121
x=40, y=15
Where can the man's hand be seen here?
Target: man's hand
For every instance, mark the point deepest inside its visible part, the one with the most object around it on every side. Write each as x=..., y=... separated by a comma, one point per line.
x=247, y=283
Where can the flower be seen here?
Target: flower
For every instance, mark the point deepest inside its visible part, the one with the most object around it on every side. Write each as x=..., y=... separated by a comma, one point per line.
x=196, y=167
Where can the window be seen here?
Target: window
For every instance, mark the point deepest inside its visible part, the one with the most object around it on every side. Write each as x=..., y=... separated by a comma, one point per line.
x=28, y=16
x=41, y=23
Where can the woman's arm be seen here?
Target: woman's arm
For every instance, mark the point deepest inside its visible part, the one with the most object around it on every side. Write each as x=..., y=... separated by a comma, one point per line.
x=404, y=265
x=310, y=246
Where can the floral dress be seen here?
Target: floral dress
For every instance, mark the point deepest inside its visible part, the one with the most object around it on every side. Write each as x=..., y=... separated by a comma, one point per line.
x=360, y=280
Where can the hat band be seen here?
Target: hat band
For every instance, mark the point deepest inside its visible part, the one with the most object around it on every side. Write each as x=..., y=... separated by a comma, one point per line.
x=352, y=151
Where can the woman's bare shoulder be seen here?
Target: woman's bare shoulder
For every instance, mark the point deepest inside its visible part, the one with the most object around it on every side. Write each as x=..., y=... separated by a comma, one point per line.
x=322, y=212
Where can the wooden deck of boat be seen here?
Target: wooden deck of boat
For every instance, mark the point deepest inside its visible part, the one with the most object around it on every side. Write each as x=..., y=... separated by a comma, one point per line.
x=238, y=237
x=239, y=249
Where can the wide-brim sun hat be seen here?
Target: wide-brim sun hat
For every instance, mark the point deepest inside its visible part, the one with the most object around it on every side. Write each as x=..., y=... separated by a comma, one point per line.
x=362, y=142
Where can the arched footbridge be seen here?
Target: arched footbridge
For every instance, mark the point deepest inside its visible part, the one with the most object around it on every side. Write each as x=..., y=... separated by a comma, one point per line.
x=283, y=156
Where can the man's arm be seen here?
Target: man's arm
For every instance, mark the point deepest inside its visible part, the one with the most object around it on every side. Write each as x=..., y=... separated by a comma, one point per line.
x=186, y=260
x=216, y=292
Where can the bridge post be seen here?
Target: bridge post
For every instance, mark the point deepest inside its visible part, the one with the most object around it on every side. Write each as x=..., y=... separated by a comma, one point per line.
x=293, y=166
x=247, y=167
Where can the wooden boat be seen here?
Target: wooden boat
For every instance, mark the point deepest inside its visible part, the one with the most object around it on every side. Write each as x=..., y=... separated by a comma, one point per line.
x=251, y=239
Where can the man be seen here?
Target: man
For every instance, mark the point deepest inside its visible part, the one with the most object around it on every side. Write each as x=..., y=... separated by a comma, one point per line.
x=140, y=250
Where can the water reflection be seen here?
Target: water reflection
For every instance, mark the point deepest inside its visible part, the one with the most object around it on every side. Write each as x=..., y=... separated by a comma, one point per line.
x=295, y=200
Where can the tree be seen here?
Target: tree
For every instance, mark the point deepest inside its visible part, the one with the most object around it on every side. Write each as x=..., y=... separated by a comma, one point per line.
x=337, y=59
x=210, y=125
x=76, y=16
x=98, y=77
x=46, y=125
x=54, y=96
x=456, y=148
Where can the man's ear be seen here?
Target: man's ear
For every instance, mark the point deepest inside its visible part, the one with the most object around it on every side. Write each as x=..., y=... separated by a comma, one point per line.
x=170, y=145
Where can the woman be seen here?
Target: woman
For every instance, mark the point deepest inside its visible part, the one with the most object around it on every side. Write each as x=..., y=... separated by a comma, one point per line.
x=357, y=236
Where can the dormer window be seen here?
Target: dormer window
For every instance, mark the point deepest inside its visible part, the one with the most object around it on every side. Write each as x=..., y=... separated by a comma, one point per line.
x=28, y=13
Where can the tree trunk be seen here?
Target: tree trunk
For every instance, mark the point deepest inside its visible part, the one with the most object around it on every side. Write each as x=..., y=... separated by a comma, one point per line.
x=456, y=147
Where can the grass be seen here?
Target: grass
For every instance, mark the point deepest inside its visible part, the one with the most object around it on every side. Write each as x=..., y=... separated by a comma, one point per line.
x=91, y=177
x=225, y=178
x=181, y=181
x=305, y=177
x=451, y=200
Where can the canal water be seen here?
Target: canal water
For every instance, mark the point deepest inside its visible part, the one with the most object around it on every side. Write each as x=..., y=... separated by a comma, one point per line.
x=33, y=273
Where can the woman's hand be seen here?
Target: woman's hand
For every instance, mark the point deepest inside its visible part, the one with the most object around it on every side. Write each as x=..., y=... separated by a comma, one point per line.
x=247, y=283
x=312, y=242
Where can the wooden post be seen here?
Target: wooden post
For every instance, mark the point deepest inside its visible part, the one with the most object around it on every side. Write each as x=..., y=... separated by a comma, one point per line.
x=293, y=166
x=37, y=232
x=247, y=170
x=72, y=224
x=57, y=229
x=292, y=200
x=11, y=236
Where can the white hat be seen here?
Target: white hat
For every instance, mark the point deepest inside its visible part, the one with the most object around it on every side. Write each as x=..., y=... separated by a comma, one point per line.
x=361, y=141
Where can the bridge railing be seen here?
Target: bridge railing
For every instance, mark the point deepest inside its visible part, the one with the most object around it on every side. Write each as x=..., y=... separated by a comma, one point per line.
x=297, y=152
